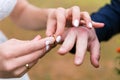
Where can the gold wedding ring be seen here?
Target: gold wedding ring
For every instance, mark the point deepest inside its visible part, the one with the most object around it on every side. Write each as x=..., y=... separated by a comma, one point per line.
x=27, y=66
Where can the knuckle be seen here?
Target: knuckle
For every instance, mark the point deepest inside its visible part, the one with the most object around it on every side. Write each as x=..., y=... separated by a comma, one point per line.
x=74, y=30
x=80, y=31
x=86, y=13
x=77, y=7
x=60, y=8
x=13, y=39
x=51, y=15
x=71, y=30
x=8, y=67
x=83, y=30
x=7, y=54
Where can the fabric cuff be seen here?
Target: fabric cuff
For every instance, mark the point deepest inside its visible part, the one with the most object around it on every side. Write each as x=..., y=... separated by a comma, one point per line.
x=6, y=7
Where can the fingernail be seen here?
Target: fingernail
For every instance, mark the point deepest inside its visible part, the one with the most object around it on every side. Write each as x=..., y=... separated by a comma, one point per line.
x=47, y=43
x=50, y=40
x=58, y=39
x=78, y=61
x=47, y=47
x=76, y=23
x=90, y=25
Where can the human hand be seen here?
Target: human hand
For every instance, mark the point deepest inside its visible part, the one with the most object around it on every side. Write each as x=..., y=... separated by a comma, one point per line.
x=83, y=39
x=15, y=54
x=59, y=18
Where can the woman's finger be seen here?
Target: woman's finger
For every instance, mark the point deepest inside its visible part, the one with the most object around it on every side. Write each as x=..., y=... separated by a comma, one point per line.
x=86, y=17
x=32, y=46
x=51, y=24
x=75, y=16
x=61, y=21
x=38, y=37
x=29, y=58
x=19, y=72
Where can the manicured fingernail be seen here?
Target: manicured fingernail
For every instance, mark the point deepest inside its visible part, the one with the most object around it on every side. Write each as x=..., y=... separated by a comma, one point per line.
x=47, y=47
x=47, y=43
x=50, y=40
x=76, y=23
x=90, y=25
x=58, y=39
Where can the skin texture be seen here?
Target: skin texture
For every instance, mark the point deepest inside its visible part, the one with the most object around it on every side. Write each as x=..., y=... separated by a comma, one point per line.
x=53, y=19
x=85, y=40
x=14, y=58
x=17, y=53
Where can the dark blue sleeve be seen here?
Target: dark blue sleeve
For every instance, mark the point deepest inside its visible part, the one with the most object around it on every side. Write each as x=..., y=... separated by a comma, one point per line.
x=110, y=15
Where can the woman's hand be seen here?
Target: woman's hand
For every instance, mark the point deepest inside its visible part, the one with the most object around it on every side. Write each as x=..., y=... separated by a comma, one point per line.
x=60, y=17
x=17, y=56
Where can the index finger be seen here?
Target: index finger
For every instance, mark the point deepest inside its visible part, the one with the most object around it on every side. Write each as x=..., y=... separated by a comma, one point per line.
x=61, y=21
x=51, y=24
x=32, y=46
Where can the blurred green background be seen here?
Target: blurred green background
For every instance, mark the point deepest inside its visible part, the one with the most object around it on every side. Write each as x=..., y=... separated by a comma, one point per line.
x=56, y=67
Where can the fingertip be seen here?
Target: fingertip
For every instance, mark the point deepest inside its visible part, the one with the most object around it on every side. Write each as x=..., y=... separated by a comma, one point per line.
x=90, y=25
x=98, y=24
x=38, y=37
x=95, y=63
x=75, y=16
x=78, y=61
x=102, y=24
x=76, y=23
x=61, y=51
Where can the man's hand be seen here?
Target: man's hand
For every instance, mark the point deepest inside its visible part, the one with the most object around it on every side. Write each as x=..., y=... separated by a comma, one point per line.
x=84, y=39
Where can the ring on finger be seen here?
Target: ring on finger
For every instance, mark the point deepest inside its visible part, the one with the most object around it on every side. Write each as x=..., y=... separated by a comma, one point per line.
x=27, y=66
